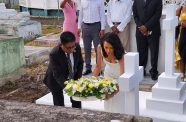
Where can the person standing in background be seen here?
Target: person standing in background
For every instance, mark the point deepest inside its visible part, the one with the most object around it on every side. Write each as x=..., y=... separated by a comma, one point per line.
x=70, y=18
x=180, y=47
x=147, y=14
x=119, y=14
x=92, y=24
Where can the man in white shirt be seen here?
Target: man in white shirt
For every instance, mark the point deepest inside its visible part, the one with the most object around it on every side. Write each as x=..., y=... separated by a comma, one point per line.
x=92, y=23
x=119, y=14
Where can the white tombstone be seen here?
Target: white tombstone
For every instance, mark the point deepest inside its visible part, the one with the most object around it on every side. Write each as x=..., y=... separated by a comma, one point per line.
x=129, y=83
x=168, y=95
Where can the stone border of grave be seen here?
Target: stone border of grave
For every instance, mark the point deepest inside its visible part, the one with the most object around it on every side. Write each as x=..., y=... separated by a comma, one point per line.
x=21, y=112
x=12, y=76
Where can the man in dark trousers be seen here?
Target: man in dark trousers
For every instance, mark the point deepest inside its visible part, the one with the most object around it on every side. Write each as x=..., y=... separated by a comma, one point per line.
x=147, y=14
x=66, y=63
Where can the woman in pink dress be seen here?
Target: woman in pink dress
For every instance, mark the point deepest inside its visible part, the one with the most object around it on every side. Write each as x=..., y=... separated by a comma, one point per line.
x=70, y=17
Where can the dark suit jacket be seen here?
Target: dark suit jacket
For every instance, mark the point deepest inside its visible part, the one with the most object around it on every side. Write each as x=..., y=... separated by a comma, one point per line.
x=148, y=13
x=57, y=72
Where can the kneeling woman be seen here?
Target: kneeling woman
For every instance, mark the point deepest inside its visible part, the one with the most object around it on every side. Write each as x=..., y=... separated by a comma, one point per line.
x=110, y=52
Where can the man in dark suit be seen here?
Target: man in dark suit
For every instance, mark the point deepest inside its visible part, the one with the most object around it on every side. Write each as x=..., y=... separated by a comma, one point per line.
x=147, y=14
x=66, y=63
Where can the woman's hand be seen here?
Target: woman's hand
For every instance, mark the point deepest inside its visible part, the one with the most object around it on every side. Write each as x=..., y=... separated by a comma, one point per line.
x=63, y=3
x=108, y=96
x=101, y=33
x=183, y=24
x=79, y=32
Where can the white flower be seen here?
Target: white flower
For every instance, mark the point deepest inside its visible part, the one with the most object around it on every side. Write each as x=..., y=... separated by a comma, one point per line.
x=96, y=84
x=114, y=87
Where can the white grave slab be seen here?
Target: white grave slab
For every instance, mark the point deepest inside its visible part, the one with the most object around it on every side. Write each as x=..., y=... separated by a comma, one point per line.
x=91, y=105
x=99, y=106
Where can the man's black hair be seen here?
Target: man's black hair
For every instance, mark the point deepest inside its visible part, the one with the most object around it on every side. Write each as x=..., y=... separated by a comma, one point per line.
x=67, y=37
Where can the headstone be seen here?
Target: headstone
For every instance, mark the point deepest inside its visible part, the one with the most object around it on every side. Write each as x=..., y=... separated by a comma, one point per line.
x=11, y=54
x=35, y=55
x=52, y=40
x=48, y=40
x=5, y=13
x=18, y=24
x=168, y=95
x=129, y=83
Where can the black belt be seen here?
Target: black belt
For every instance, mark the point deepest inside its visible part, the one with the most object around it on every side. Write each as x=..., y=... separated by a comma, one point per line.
x=116, y=23
x=91, y=23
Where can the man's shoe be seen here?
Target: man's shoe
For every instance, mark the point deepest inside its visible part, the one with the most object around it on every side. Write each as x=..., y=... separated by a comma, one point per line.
x=87, y=72
x=154, y=76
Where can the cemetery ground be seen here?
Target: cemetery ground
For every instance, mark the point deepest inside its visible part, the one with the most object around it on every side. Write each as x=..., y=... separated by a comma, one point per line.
x=29, y=87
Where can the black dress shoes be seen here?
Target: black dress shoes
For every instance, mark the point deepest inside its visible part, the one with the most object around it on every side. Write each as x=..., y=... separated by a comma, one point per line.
x=154, y=75
x=87, y=72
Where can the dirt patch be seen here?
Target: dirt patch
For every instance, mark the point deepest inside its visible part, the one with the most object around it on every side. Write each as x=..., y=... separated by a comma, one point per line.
x=49, y=20
x=146, y=87
x=47, y=29
x=28, y=88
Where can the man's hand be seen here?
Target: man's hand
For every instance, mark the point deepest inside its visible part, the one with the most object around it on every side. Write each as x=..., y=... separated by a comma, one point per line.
x=143, y=30
x=179, y=23
x=101, y=33
x=63, y=3
x=79, y=32
x=115, y=29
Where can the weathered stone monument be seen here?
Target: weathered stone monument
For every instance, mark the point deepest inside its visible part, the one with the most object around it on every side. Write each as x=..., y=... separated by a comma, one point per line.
x=50, y=40
x=12, y=55
x=6, y=12
x=168, y=100
x=18, y=24
x=36, y=55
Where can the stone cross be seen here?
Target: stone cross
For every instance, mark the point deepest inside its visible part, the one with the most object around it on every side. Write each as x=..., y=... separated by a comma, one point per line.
x=169, y=25
x=129, y=83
